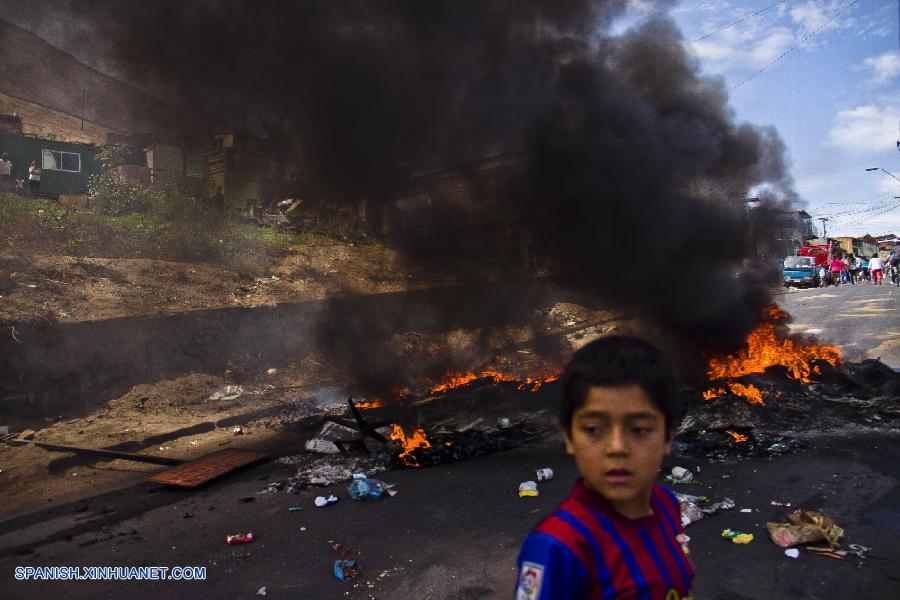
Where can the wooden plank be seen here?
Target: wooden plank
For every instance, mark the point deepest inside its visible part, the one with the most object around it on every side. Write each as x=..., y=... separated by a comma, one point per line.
x=206, y=468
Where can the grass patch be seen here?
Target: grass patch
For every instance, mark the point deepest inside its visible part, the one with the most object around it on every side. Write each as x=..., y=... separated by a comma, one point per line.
x=169, y=231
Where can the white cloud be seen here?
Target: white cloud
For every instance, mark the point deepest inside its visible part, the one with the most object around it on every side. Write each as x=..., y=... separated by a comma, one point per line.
x=865, y=129
x=885, y=66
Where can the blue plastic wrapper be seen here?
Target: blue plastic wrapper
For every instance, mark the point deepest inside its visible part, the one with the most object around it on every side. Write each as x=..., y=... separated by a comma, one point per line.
x=360, y=489
x=346, y=570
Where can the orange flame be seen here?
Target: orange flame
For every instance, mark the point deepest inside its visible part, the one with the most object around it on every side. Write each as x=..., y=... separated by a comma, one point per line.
x=409, y=443
x=457, y=379
x=374, y=403
x=738, y=437
x=766, y=348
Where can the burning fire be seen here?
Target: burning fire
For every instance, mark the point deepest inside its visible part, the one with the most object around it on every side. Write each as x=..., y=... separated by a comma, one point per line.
x=374, y=403
x=460, y=378
x=738, y=437
x=765, y=348
x=409, y=443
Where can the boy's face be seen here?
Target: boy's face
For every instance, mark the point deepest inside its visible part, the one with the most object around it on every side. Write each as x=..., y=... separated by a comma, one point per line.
x=619, y=439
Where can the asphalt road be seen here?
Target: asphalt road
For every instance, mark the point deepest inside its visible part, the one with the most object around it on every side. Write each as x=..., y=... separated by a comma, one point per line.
x=862, y=320
x=454, y=531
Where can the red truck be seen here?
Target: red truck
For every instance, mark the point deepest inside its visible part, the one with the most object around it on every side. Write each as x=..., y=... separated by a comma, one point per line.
x=821, y=253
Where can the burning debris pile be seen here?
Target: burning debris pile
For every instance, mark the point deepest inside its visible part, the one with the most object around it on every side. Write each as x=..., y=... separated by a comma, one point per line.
x=778, y=385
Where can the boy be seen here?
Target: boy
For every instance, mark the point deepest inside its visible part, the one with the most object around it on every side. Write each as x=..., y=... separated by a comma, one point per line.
x=617, y=534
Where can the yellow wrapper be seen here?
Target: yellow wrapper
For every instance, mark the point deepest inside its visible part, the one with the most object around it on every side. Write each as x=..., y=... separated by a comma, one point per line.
x=744, y=538
x=524, y=493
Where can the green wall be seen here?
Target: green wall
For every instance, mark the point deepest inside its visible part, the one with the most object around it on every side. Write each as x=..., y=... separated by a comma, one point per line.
x=24, y=149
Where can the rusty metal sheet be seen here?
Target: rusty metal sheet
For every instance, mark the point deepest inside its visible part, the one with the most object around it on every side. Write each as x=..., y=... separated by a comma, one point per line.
x=206, y=468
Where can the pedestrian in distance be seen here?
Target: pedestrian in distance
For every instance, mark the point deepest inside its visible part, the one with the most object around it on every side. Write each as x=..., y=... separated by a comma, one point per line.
x=5, y=173
x=875, y=268
x=864, y=270
x=855, y=268
x=34, y=179
x=618, y=534
x=894, y=262
x=837, y=265
x=852, y=269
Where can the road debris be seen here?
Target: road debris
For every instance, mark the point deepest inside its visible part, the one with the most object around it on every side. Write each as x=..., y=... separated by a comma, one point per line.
x=792, y=553
x=680, y=475
x=261, y=591
x=239, y=538
x=827, y=551
x=694, y=508
x=323, y=501
x=738, y=537
x=346, y=570
x=804, y=527
x=528, y=489
x=363, y=488
x=545, y=474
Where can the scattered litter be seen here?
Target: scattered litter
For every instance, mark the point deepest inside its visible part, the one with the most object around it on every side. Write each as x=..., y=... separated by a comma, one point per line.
x=229, y=392
x=684, y=540
x=239, y=538
x=341, y=550
x=303, y=529
x=503, y=423
x=261, y=591
x=323, y=501
x=528, y=488
x=294, y=509
x=359, y=476
x=738, y=537
x=776, y=503
x=194, y=442
x=545, y=474
x=680, y=475
x=792, y=553
x=360, y=489
x=271, y=371
x=694, y=508
x=746, y=510
x=826, y=551
x=346, y=570
x=803, y=527
x=858, y=550
x=238, y=430
x=325, y=472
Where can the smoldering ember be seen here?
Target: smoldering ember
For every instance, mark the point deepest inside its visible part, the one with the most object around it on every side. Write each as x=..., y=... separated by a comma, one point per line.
x=287, y=291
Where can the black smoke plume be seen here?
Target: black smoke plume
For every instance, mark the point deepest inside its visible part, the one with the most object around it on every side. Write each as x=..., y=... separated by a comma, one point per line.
x=633, y=170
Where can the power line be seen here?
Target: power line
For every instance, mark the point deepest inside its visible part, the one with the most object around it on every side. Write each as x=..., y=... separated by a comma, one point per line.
x=795, y=46
x=719, y=30
x=870, y=217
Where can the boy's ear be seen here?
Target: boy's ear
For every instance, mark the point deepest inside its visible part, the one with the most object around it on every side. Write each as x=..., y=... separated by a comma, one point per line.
x=570, y=449
x=670, y=437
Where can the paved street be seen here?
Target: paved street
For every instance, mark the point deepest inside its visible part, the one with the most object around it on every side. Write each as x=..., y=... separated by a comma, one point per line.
x=862, y=320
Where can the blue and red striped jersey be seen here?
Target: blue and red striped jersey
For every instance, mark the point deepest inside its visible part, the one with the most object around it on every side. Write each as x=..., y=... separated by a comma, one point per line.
x=586, y=549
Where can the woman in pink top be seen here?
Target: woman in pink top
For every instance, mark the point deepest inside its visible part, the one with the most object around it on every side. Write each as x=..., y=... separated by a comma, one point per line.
x=837, y=265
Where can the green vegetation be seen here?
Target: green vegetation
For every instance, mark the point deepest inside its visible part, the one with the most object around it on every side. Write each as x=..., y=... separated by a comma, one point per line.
x=138, y=224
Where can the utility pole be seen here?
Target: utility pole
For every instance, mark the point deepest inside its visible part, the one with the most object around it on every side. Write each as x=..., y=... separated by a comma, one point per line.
x=824, y=231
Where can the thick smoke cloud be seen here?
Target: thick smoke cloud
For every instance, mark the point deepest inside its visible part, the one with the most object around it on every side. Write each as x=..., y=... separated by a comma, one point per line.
x=634, y=175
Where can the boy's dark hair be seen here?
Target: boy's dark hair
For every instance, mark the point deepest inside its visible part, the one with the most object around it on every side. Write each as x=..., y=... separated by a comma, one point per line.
x=619, y=361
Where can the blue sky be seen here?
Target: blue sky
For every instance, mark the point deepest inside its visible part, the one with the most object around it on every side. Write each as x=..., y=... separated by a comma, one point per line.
x=834, y=99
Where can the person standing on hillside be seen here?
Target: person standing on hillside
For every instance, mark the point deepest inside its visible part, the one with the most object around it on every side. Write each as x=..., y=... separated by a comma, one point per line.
x=34, y=178
x=5, y=173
